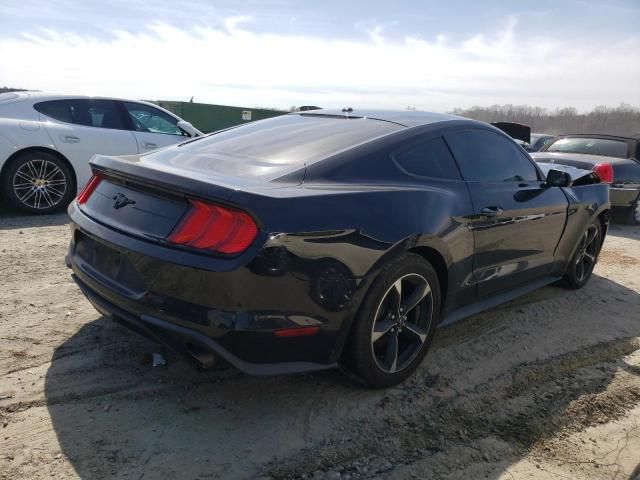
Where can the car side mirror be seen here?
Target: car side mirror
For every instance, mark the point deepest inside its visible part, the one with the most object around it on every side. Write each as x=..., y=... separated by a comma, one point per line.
x=188, y=128
x=556, y=178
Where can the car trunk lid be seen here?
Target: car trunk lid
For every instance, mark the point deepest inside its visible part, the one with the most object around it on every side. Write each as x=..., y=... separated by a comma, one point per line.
x=131, y=208
x=138, y=199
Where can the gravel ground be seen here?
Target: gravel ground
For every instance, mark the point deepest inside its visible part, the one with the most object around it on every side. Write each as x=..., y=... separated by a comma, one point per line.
x=547, y=386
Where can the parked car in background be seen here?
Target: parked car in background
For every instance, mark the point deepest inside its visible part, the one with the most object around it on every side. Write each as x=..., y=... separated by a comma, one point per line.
x=531, y=142
x=46, y=142
x=594, y=152
x=326, y=238
x=538, y=141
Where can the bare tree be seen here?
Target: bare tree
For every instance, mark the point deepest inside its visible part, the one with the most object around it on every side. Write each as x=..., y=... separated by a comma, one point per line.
x=622, y=120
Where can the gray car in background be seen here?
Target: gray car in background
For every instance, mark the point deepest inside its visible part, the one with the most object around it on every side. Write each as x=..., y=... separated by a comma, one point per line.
x=538, y=142
x=588, y=151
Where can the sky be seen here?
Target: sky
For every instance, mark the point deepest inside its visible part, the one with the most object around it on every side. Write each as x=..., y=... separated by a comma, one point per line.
x=430, y=55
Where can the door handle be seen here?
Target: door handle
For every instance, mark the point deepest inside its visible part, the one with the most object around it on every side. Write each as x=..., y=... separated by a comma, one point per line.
x=491, y=211
x=70, y=138
x=150, y=145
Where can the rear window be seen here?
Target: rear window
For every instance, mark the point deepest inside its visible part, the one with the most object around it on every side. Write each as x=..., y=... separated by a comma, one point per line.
x=290, y=140
x=590, y=146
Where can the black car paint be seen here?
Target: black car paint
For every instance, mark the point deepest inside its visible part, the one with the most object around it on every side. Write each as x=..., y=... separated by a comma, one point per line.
x=326, y=231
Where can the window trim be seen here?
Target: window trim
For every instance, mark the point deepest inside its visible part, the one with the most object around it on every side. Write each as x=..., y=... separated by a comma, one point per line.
x=499, y=133
x=418, y=142
x=133, y=127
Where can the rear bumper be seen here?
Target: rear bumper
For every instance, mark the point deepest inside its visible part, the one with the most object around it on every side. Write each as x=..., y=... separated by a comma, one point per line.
x=186, y=340
x=623, y=197
x=232, y=312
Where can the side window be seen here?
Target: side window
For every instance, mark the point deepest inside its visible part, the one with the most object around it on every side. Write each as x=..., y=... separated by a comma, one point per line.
x=485, y=156
x=429, y=159
x=56, y=109
x=151, y=120
x=86, y=112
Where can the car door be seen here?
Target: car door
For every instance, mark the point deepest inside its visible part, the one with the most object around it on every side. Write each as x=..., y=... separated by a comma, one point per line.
x=81, y=128
x=518, y=220
x=152, y=127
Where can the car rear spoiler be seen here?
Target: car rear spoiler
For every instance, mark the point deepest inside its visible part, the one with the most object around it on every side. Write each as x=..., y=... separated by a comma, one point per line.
x=515, y=130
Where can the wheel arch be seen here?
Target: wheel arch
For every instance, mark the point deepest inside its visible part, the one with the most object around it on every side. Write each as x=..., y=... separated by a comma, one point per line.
x=436, y=258
x=604, y=218
x=15, y=155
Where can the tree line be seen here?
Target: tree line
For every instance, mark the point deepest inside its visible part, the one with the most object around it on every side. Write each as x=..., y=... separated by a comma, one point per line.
x=9, y=89
x=623, y=120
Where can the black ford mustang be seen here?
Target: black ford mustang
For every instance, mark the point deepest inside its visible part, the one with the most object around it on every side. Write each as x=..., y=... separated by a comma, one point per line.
x=327, y=238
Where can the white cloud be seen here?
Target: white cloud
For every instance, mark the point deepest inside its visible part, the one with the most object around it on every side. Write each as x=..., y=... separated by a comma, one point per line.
x=236, y=66
x=231, y=23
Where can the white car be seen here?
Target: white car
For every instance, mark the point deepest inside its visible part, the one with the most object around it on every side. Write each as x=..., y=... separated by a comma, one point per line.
x=46, y=142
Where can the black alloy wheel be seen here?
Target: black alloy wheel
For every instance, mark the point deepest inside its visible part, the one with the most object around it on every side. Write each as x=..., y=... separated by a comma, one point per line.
x=395, y=324
x=584, y=259
x=633, y=215
x=401, y=323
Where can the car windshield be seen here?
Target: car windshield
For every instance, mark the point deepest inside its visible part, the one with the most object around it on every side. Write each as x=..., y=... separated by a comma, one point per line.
x=535, y=137
x=590, y=146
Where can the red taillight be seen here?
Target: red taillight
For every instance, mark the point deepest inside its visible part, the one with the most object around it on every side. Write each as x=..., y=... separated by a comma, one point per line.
x=604, y=171
x=296, y=332
x=215, y=228
x=88, y=189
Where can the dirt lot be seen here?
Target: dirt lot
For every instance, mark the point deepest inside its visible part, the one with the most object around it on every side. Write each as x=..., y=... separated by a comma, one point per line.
x=547, y=386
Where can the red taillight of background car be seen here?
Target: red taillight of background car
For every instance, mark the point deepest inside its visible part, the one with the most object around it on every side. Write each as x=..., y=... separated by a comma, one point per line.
x=88, y=189
x=604, y=171
x=215, y=228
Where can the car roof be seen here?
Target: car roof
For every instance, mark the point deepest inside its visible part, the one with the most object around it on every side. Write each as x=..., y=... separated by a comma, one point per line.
x=581, y=157
x=406, y=118
x=36, y=96
x=603, y=136
x=64, y=96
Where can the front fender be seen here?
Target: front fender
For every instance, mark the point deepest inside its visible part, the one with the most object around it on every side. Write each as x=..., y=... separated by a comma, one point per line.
x=586, y=204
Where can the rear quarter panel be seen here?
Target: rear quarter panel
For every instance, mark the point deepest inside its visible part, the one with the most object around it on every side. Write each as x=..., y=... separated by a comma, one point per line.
x=366, y=227
x=16, y=135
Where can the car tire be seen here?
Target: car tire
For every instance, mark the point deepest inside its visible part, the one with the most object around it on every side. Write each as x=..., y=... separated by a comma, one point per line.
x=632, y=215
x=386, y=344
x=38, y=182
x=585, y=257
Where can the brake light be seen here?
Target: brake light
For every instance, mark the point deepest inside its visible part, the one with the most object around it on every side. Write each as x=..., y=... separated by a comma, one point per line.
x=88, y=189
x=215, y=228
x=604, y=171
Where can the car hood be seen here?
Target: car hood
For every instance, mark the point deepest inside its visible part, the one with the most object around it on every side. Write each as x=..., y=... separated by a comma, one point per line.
x=578, y=158
x=574, y=172
x=625, y=170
